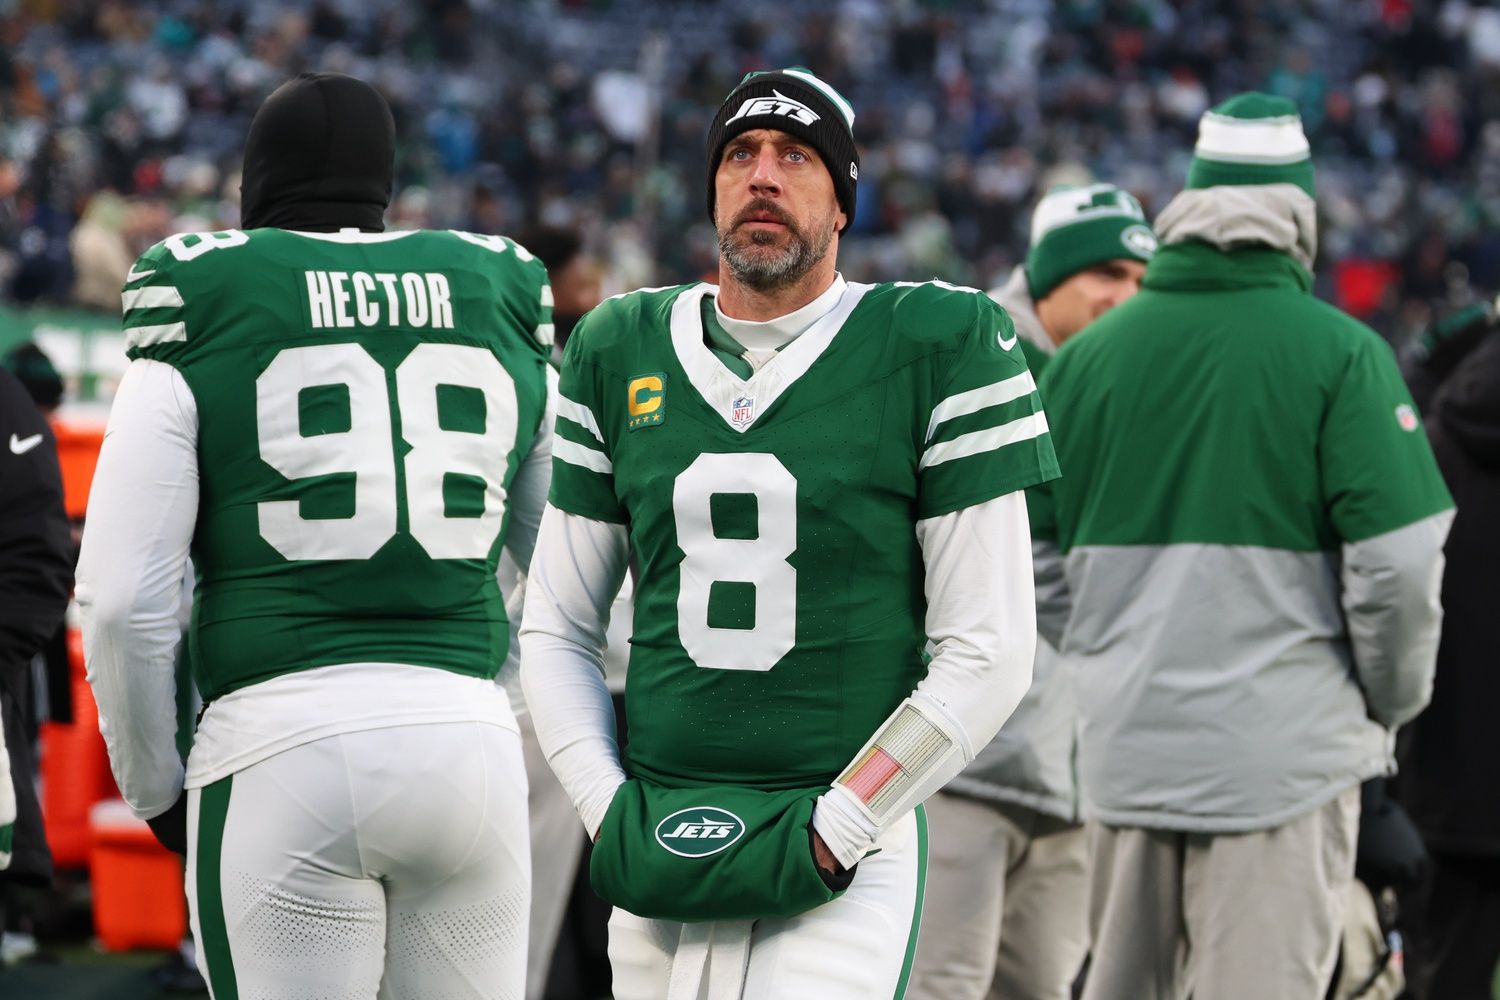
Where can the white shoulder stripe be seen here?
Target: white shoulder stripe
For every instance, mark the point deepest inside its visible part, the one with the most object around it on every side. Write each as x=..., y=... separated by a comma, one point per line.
x=989, y=439
x=994, y=394
x=157, y=297
x=547, y=296
x=145, y=336
x=576, y=454
x=580, y=415
x=938, y=283
x=545, y=333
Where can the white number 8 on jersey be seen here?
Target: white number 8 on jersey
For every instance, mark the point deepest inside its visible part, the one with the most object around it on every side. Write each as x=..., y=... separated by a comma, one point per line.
x=760, y=561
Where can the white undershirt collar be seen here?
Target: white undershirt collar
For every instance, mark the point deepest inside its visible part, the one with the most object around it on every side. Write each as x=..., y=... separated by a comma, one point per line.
x=770, y=334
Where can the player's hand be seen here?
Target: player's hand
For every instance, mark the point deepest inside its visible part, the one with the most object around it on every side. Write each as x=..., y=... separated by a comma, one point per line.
x=1390, y=852
x=170, y=828
x=824, y=858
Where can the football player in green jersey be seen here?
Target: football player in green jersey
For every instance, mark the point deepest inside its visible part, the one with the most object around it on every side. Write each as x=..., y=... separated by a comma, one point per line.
x=818, y=479
x=342, y=426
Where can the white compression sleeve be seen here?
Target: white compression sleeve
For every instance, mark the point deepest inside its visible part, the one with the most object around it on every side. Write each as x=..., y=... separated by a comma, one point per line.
x=575, y=573
x=142, y=509
x=527, y=500
x=981, y=620
x=528, y=491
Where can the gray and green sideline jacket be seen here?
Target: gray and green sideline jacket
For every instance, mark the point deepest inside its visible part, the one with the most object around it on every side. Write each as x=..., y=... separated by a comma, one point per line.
x=1030, y=761
x=1249, y=530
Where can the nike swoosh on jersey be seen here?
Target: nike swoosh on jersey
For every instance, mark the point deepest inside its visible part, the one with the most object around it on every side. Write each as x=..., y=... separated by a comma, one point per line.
x=1006, y=345
x=20, y=446
x=134, y=275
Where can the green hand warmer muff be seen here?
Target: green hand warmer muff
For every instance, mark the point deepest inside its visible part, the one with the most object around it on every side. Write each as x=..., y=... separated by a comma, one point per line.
x=713, y=853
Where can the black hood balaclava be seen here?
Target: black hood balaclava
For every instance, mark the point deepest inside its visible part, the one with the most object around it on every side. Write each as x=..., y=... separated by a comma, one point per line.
x=319, y=158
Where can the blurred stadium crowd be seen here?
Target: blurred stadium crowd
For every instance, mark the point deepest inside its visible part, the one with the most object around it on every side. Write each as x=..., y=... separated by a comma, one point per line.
x=121, y=123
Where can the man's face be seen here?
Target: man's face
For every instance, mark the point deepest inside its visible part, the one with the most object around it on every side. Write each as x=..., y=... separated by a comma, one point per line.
x=575, y=290
x=774, y=208
x=575, y=287
x=1087, y=295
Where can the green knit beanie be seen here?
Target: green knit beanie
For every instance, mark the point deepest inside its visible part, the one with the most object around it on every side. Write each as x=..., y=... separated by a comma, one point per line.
x=1075, y=228
x=36, y=372
x=1251, y=139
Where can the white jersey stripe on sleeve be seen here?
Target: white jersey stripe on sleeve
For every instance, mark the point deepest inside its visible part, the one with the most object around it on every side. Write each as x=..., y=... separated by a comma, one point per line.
x=576, y=454
x=994, y=394
x=156, y=297
x=145, y=336
x=989, y=439
x=546, y=296
x=580, y=415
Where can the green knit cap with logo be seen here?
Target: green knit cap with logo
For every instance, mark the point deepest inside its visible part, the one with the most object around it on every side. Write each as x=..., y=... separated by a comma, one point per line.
x=1078, y=227
x=795, y=101
x=1252, y=138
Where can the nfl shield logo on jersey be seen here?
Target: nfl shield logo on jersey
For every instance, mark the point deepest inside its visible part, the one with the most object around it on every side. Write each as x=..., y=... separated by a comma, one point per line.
x=742, y=410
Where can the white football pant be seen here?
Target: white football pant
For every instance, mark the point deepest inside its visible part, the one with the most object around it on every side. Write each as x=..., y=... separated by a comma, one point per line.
x=390, y=863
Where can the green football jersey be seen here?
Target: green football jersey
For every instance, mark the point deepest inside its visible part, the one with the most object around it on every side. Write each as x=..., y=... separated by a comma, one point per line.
x=780, y=613
x=364, y=402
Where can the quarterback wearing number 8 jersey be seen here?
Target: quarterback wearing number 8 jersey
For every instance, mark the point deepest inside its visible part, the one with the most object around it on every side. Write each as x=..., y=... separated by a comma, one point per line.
x=342, y=427
x=817, y=479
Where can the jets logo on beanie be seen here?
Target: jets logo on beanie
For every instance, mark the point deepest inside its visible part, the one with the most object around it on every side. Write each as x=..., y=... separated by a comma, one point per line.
x=797, y=102
x=1074, y=228
x=1251, y=138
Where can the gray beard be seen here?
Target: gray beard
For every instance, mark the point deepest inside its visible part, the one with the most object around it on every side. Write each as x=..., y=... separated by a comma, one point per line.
x=764, y=272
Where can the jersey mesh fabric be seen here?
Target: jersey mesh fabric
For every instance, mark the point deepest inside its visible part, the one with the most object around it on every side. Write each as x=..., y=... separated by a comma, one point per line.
x=780, y=613
x=245, y=318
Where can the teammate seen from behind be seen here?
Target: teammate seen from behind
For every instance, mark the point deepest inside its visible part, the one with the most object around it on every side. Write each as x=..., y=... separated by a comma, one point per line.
x=1007, y=895
x=341, y=426
x=1242, y=565
x=815, y=477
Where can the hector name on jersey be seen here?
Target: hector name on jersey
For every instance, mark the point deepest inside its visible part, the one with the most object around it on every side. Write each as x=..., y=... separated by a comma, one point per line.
x=353, y=391
x=780, y=612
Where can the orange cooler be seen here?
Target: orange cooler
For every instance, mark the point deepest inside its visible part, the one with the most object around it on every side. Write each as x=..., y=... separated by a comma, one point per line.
x=137, y=883
x=75, y=770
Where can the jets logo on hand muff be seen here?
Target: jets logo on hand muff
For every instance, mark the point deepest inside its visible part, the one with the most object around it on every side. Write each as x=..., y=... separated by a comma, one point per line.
x=713, y=853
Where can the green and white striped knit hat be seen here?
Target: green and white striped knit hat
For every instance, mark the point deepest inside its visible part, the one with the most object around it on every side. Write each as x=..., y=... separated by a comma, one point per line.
x=1251, y=138
x=1074, y=228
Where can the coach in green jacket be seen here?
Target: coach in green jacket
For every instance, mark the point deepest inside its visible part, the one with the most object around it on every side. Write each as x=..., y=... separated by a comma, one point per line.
x=1243, y=559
